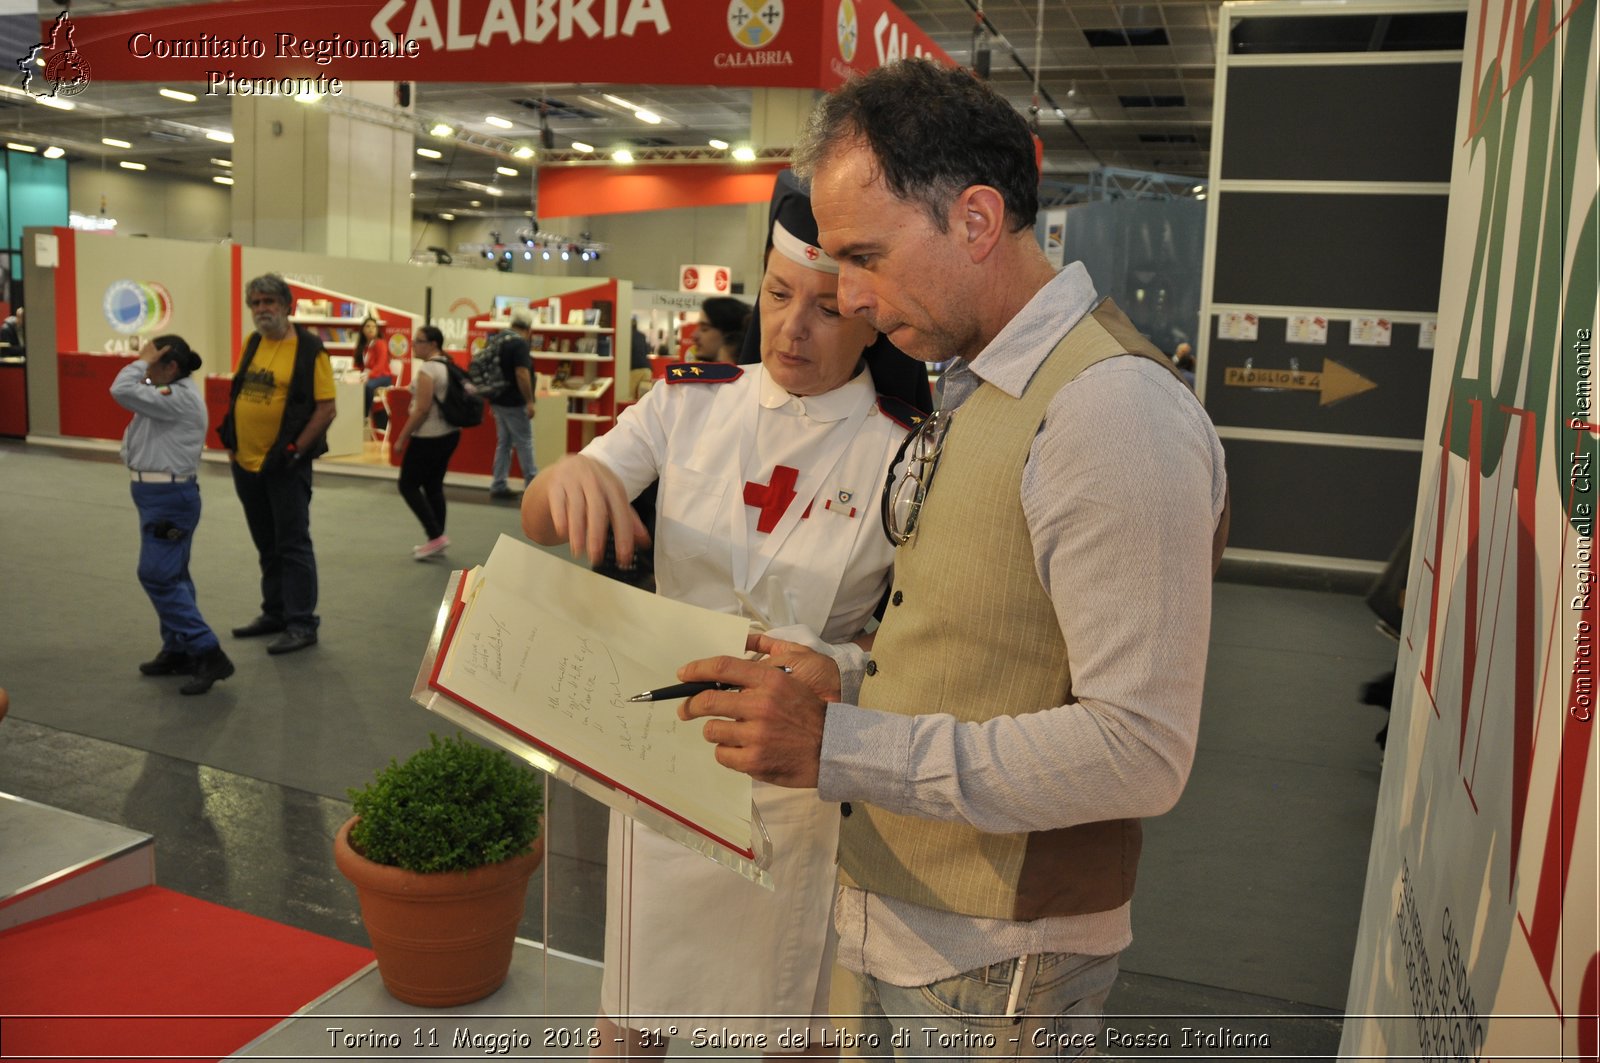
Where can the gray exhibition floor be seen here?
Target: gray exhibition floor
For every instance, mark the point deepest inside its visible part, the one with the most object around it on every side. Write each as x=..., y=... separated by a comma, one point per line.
x=1248, y=895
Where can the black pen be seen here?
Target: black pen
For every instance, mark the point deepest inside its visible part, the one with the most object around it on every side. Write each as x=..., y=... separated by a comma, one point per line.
x=680, y=690
x=689, y=690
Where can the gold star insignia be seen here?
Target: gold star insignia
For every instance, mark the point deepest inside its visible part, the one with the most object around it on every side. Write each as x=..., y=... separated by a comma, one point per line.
x=695, y=370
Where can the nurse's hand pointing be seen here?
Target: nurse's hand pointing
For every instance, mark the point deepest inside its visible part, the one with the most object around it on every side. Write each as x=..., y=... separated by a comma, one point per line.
x=578, y=500
x=770, y=728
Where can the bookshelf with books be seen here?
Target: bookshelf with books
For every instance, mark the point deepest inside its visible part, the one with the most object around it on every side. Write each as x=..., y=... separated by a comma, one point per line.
x=573, y=344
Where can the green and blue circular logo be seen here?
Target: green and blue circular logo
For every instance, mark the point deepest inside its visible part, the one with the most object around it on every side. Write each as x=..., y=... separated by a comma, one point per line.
x=136, y=307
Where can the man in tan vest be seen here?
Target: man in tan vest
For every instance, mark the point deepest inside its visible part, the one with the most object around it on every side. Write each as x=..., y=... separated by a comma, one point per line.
x=1034, y=689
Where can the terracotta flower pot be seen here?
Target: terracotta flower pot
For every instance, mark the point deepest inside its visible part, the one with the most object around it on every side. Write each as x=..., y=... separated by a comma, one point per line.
x=443, y=938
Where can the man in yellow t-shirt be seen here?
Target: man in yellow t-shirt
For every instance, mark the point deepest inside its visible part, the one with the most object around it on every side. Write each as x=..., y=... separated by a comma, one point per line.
x=278, y=415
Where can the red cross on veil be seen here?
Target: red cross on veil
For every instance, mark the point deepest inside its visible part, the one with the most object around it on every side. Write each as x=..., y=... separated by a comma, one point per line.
x=773, y=497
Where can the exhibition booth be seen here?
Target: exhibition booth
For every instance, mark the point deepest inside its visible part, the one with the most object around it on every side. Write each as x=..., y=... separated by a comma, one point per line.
x=102, y=295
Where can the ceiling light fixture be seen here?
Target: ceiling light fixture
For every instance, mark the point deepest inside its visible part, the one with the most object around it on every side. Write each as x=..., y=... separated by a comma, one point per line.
x=578, y=145
x=223, y=162
x=445, y=215
x=621, y=155
x=619, y=101
x=29, y=148
x=113, y=142
x=720, y=145
x=523, y=152
x=219, y=136
x=496, y=191
x=430, y=153
x=475, y=203
x=174, y=94
x=744, y=153
x=440, y=129
x=505, y=171
x=222, y=179
x=126, y=165
x=496, y=121
x=647, y=116
x=53, y=152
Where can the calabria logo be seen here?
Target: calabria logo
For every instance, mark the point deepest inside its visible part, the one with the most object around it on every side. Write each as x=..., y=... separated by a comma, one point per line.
x=755, y=23
x=849, y=30
x=136, y=307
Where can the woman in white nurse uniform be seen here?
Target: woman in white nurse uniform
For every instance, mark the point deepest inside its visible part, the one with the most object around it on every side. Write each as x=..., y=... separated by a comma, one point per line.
x=769, y=478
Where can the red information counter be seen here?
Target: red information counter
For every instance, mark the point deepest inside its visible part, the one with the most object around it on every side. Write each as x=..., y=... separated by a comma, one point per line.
x=13, y=399
x=475, y=452
x=83, y=390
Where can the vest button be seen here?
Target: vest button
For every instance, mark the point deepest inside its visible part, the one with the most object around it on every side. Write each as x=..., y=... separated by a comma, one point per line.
x=897, y=599
x=844, y=810
x=872, y=667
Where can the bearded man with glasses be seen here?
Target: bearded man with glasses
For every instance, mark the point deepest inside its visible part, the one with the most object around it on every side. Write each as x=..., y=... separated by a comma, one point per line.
x=1025, y=703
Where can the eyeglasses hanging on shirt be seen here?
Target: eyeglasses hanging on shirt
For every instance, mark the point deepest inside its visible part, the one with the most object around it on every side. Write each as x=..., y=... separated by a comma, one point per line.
x=911, y=476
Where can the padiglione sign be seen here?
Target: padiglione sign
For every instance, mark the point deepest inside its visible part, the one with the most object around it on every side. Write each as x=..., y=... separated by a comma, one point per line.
x=754, y=43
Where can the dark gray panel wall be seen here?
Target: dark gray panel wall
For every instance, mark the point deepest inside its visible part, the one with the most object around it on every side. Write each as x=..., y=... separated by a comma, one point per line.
x=1379, y=252
x=1315, y=123
x=1342, y=121
x=1401, y=372
x=1325, y=501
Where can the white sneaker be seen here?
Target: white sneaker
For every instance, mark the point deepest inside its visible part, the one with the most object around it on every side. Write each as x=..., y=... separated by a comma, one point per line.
x=431, y=547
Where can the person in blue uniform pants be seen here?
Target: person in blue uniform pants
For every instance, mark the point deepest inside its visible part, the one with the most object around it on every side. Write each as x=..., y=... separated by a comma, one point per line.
x=161, y=448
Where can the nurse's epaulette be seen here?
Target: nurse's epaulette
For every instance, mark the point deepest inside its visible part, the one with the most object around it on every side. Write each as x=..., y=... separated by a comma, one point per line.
x=900, y=412
x=703, y=373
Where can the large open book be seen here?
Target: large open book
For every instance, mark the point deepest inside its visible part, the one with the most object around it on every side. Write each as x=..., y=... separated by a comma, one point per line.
x=547, y=653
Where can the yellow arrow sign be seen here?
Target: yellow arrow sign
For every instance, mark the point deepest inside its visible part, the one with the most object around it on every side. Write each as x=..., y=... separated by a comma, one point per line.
x=1335, y=382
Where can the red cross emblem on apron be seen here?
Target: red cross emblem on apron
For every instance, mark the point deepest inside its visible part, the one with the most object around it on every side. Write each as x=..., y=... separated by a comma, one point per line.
x=772, y=498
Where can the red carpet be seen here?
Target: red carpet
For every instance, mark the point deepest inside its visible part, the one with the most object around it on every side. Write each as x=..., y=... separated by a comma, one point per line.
x=157, y=975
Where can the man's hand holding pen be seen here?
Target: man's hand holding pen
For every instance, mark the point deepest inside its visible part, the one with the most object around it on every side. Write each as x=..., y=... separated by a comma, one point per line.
x=770, y=728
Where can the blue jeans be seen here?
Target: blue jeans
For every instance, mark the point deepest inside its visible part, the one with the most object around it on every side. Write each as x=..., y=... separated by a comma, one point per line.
x=168, y=516
x=1058, y=1013
x=277, y=509
x=512, y=428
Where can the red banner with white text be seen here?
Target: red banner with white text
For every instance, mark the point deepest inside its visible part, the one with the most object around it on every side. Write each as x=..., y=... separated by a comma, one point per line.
x=748, y=43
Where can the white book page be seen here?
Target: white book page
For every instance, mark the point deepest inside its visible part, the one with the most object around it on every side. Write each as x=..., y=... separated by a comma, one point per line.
x=555, y=650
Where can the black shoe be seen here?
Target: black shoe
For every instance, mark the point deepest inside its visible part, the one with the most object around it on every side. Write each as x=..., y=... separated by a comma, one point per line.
x=168, y=662
x=502, y=493
x=208, y=668
x=261, y=625
x=292, y=640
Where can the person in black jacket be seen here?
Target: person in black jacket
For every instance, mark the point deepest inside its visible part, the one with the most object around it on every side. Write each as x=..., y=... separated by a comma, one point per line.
x=278, y=417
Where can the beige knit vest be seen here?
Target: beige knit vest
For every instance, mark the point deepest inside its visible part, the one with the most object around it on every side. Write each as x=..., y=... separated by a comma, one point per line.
x=971, y=632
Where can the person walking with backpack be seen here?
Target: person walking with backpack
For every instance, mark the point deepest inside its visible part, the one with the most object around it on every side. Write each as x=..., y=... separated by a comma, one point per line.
x=429, y=438
x=510, y=395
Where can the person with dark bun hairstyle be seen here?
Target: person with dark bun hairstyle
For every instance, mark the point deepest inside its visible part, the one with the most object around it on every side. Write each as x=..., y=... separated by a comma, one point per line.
x=161, y=449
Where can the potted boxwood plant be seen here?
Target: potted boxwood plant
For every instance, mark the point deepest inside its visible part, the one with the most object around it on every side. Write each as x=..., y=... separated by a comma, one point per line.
x=440, y=850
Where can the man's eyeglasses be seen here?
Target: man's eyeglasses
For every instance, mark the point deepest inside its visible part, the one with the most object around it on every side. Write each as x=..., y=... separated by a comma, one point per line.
x=911, y=475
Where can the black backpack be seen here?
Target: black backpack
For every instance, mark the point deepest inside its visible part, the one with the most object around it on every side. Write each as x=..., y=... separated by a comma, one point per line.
x=460, y=405
x=487, y=374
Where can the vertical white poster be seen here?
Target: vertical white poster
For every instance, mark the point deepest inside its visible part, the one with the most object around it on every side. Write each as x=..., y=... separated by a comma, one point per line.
x=1478, y=934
